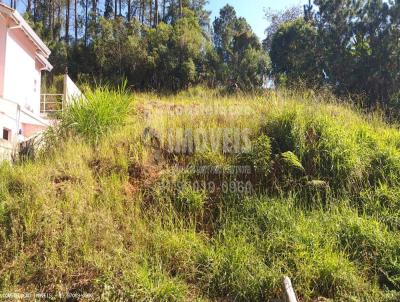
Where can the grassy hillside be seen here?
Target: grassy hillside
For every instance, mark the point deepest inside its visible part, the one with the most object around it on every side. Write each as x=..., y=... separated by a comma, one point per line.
x=121, y=206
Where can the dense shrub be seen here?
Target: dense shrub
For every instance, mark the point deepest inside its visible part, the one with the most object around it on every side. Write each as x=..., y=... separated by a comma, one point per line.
x=370, y=243
x=385, y=166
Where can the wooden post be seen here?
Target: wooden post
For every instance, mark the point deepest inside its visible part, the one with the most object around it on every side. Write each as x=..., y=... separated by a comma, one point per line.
x=290, y=295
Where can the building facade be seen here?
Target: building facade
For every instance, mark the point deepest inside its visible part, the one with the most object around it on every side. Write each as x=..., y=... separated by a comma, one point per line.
x=23, y=57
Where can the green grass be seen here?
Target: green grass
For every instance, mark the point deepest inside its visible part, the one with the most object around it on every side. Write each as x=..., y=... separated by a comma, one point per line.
x=103, y=210
x=101, y=111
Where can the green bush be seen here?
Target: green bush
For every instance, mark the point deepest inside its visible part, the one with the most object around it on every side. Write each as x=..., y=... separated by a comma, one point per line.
x=141, y=282
x=180, y=251
x=385, y=166
x=301, y=245
x=315, y=147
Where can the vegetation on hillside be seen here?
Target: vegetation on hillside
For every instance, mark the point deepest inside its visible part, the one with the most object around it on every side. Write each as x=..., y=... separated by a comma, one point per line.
x=134, y=214
x=204, y=195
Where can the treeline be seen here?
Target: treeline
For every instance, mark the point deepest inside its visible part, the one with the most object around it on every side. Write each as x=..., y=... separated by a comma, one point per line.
x=351, y=46
x=153, y=44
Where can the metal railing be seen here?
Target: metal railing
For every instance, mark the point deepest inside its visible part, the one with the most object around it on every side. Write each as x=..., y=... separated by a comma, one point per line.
x=51, y=104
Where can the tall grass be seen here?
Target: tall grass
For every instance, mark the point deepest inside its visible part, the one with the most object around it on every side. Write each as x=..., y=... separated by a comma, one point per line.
x=97, y=113
x=124, y=221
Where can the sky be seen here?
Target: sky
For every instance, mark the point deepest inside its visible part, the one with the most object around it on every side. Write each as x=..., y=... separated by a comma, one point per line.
x=252, y=10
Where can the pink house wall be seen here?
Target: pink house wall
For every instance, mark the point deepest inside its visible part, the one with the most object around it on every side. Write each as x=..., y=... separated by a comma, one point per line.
x=3, y=37
x=29, y=129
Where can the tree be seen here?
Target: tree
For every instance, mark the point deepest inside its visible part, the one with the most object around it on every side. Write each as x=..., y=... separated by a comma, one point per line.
x=175, y=52
x=156, y=12
x=171, y=55
x=108, y=9
x=360, y=46
x=29, y=7
x=294, y=53
x=276, y=19
x=76, y=20
x=86, y=4
x=308, y=11
x=67, y=18
x=235, y=44
x=224, y=31
x=129, y=13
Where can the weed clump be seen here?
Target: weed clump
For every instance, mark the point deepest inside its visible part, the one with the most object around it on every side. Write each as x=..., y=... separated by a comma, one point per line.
x=101, y=111
x=190, y=201
x=260, y=155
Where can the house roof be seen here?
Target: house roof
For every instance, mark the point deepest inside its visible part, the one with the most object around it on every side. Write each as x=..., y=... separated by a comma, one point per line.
x=42, y=52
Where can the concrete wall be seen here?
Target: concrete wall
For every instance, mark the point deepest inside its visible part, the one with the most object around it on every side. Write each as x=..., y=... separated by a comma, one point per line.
x=9, y=118
x=71, y=91
x=6, y=150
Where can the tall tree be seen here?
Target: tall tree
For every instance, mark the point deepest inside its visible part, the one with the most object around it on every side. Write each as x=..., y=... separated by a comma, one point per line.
x=129, y=14
x=108, y=9
x=276, y=19
x=294, y=52
x=150, y=12
x=76, y=20
x=224, y=29
x=86, y=21
x=243, y=62
x=142, y=10
x=94, y=9
x=29, y=6
x=67, y=18
x=156, y=16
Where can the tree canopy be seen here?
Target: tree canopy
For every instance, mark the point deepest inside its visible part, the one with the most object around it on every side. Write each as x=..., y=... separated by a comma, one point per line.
x=355, y=45
x=163, y=45
x=351, y=46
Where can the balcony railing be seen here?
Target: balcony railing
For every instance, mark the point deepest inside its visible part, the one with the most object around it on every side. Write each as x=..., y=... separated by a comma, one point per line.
x=51, y=105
